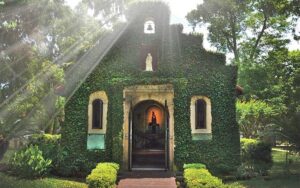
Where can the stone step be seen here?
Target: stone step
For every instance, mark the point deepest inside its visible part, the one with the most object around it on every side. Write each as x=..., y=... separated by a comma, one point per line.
x=147, y=183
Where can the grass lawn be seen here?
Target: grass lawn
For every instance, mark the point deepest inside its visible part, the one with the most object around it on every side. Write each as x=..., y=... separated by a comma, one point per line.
x=14, y=182
x=7, y=181
x=279, y=176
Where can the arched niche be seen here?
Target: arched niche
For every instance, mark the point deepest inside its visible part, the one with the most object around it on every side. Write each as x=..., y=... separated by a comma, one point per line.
x=149, y=26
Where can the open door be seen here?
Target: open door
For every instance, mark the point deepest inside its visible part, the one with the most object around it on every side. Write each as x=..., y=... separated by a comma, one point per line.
x=130, y=138
x=166, y=136
x=147, y=136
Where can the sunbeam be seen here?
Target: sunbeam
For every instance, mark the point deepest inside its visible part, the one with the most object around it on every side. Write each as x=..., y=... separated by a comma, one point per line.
x=78, y=71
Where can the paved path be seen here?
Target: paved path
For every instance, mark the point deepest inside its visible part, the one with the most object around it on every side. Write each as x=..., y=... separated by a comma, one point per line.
x=147, y=183
x=147, y=179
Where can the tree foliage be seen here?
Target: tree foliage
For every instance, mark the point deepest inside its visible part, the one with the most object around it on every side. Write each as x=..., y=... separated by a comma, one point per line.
x=29, y=47
x=253, y=117
x=246, y=28
x=39, y=42
x=256, y=31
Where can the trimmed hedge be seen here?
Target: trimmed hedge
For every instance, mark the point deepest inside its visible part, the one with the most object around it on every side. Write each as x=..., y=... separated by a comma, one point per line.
x=201, y=178
x=194, y=165
x=196, y=176
x=103, y=176
x=256, y=156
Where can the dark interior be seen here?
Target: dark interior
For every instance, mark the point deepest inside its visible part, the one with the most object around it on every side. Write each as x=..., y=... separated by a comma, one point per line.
x=148, y=135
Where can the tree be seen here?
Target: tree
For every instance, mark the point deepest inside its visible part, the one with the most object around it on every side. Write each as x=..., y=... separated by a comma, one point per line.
x=45, y=44
x=105, y=7
x=255, y=32
x=290, y=126
x=253, y=116
x=36, y=40
x=246, y=28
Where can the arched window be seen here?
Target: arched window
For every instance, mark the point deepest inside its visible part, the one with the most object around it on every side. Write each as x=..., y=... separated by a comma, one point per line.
x=97, y=114
x=200, y=114
x=149, y=27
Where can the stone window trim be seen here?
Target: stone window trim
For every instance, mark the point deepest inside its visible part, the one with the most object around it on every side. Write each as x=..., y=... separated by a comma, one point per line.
x=193, y=114
x=94, y=96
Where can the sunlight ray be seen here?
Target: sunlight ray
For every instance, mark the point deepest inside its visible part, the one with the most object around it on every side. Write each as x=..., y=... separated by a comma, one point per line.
x=79, y=71
x=73, y=52
x=94, y=58
x=39, y=75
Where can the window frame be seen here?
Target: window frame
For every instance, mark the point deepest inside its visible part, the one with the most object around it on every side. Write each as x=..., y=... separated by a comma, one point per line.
x=99, y=95
x=208, y=116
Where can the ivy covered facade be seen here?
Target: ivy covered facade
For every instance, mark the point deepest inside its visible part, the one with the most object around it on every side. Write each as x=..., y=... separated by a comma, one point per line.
x=181, y=111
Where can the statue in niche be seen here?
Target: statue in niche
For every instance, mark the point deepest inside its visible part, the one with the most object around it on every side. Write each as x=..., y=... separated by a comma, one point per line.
x=149, y=66
x=153, y=118
x=153, y=124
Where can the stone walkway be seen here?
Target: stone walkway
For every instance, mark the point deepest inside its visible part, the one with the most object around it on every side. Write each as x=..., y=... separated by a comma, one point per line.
x=147, y=183
x=147, y=179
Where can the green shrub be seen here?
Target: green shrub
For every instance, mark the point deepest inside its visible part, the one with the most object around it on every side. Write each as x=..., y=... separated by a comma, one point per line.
x=245, y=171
x=30, y=163
x=47, y=143
x=201, y=178
x=246, y=142
x=103, y=176
x=50, y=146
x=108, y=164
x=256, y=156
x=194, y=165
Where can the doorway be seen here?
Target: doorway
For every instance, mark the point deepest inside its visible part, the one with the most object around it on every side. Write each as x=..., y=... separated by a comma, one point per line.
x=149, y=136
x=160, y=96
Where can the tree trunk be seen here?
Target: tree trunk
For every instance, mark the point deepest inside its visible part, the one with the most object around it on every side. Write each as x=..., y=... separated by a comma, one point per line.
x=3, y=148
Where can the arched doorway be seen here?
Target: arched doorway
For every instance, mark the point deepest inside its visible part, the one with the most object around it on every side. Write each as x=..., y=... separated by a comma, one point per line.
x=161, y=96
x=149, y=136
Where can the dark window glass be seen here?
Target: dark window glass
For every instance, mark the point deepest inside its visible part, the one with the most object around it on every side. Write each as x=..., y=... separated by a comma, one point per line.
x=97, y=114
x=200, y=114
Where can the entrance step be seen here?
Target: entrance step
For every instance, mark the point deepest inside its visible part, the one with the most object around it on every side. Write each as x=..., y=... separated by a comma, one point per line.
x=148, y=158
x=147, y=179
x=148, y=183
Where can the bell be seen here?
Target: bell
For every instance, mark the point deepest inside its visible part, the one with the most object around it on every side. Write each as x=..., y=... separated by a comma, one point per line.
x=149, y=28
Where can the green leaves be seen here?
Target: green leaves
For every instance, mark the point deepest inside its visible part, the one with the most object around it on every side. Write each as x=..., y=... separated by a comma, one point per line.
x=10, y=25
x=103, y=176
x=201, y=178
x=253, y=116
x=243, y=27
x=30, y=163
